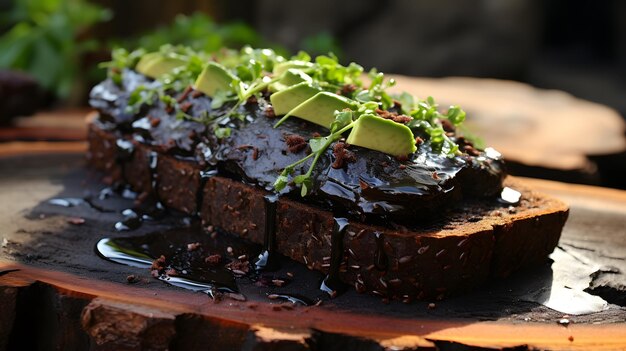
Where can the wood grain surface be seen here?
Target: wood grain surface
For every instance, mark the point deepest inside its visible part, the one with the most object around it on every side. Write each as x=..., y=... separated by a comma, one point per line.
x=536, y=127
x=58, y=294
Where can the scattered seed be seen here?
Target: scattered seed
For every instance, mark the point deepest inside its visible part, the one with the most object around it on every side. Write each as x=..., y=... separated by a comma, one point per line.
x=193, y=246
x=353, y=255
x=405, y=259
x=76, y=220
x=278, y=282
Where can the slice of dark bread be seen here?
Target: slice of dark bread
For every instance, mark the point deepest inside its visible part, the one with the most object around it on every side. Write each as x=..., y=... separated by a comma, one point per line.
x=478, y=240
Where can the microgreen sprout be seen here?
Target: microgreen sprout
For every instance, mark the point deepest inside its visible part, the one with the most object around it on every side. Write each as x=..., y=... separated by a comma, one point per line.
x=343, y=122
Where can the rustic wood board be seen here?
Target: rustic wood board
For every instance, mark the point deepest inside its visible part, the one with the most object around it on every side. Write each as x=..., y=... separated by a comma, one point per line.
x=53, y=125
x=541, y=133
x=64, y=296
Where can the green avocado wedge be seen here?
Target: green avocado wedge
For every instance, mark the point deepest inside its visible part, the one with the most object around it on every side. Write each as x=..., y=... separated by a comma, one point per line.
x=214, y=77
x=320, y=109
x=145, y=60
x=154, y=65
x=287, y=99
x=280, y=68
x=290, y=77
x=382, y=135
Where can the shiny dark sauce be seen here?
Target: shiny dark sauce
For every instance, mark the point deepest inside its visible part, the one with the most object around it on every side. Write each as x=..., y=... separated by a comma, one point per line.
x=193, y=259
x=182, y=267
x=381, y=260
x=332, y=284
x=267, y=259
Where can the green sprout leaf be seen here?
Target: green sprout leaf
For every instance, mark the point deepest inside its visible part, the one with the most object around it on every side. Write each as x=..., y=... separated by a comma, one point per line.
x=301, y=56
x=281, y=182
x=342, y=119
x=455, y=115
x=317, y=144
x=222, y=97
x=222, y=132
x=407, y=101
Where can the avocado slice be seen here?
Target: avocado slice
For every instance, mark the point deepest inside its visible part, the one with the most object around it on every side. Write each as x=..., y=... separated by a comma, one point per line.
x=154, y=66
x=383, y=135
x=291, y=77
x=320, y=109
x=287, y=99
x=214, y=77
x=280, y=68
x=145, y=60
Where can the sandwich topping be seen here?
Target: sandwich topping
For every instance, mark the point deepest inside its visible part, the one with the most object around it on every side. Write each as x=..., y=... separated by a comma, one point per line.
x=306, y=128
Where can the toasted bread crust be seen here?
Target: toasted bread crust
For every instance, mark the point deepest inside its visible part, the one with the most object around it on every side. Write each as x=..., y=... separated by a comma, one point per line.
x=482, y=239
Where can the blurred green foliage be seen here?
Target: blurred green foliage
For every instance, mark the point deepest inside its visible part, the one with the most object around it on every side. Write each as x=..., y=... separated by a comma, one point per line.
x=321, y=43
x=49, y=39
x=200, y=32
x=43, y=39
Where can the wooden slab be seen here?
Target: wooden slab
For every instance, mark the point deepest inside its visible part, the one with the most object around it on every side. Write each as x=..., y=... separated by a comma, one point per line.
x=54, y=125
x=546, y=129
x=64, y=296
